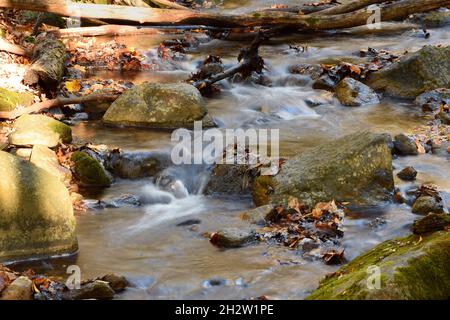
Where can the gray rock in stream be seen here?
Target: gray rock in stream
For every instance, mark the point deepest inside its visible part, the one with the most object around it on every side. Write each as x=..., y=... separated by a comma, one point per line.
x=353, y=93
x=159, y=106
x=415, y=73
x=313, y=71
x=427, y=204
x=231, y=179
x=136, y=165
x=233, y=237
x=432, y=100
x=405, y=145
x=97, y=289
x=356, y=168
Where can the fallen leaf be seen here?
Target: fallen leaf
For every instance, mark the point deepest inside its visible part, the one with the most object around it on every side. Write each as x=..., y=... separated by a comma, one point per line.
x=73, y=86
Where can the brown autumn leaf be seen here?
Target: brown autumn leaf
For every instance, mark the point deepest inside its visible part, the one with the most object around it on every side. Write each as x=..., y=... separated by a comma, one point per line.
x=420, y=147
x=355, y=69
x=316, y=213
x=294, y=204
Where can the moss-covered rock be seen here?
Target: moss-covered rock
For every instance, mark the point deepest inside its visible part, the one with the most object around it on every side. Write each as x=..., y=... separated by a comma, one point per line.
x=353, y=93
x=434, y=19
x=36, y=215
x=10, y=99
x=159, y=105
x=51, y=19
x=39, y=129
x=416, y=73
x=430, y=223
x=414, y=267
x=89, y=171
x=356, y=168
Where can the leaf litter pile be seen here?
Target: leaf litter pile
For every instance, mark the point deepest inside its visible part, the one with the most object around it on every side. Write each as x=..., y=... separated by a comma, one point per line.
x=109, y=55
x=315, y=232
x=297, y=227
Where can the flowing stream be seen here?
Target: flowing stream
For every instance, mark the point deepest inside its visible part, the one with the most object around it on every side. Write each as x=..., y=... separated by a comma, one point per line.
x=166, y=261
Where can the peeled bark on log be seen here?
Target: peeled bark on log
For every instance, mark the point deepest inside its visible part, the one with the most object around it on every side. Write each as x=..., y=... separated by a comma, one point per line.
x=391, y=11
x=59, y=102
x=48, y=67
x=13, y=48
x=110, y=30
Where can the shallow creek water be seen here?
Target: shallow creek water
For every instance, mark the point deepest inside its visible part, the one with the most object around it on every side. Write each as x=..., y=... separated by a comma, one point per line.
x=166, y=261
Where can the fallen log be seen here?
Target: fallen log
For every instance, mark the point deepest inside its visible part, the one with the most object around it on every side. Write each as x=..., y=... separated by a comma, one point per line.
x=110, y=30
x=13, y=48
x=59, y=102
x=348, y=7
x=390, y=11
x=169, y=4
x=48, y=63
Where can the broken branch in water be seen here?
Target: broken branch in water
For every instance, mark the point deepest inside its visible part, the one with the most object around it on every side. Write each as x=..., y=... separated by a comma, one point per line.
x=249, y=61
x=59, y=102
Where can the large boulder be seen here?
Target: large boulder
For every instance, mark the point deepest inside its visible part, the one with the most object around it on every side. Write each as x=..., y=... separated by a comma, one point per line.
x=356, y=168
x=353, y=93
x=414, y=74
x=36, y=215
x=10, y=99
x=39, y=129
x=159, y=105
x=414, y=267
